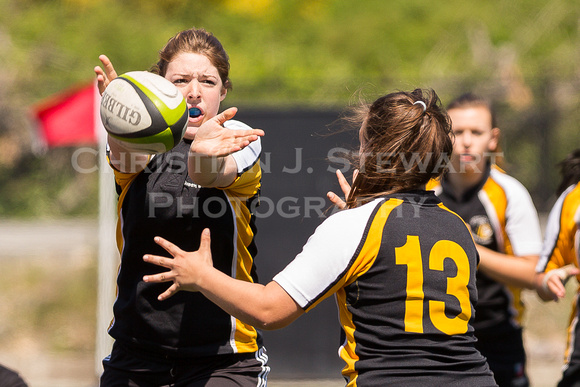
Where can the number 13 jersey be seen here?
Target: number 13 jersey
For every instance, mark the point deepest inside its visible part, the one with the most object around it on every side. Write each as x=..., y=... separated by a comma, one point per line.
x=403, y=270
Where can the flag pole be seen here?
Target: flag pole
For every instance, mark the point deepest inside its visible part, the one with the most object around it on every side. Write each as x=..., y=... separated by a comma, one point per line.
x=108, y=255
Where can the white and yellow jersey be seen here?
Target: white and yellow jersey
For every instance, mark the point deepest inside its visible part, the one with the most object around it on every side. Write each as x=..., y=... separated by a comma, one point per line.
x=561, y=248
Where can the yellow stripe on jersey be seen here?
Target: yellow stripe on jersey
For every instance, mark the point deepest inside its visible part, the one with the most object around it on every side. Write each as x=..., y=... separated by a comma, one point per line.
x=245, y=335
x=364, y=261
x=239, y=193
x=248, y=183
x=432, y=184
x=498, y=199
x=124, y=181
x=564, y=252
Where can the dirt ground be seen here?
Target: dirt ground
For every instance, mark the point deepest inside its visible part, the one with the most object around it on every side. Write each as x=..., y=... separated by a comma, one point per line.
x=47, y=312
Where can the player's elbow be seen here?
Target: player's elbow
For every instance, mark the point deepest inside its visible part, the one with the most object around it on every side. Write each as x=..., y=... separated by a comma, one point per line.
x=277, y=317
x=205, y=180
x=271, y=322
x=276, y=309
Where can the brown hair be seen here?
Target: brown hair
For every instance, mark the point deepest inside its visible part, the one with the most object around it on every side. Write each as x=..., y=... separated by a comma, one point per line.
x=197, y=41
x=570, y=171
x=470, y=100
x=406, y=144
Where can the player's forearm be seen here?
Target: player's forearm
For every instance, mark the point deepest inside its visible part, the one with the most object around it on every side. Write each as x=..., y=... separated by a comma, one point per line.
x=255, y=304
x=508, y=269
x=209, y=171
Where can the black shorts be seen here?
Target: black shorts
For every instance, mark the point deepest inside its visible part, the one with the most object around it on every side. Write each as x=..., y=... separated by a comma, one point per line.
x=126, y=367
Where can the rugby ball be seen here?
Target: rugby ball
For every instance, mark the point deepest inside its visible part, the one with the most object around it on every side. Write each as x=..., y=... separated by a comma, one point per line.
x=144, y=111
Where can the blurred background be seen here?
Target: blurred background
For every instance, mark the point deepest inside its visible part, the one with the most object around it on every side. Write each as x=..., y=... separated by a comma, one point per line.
x=295, y=66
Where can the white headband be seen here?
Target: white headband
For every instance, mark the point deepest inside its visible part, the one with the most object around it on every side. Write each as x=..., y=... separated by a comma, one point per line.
x=422, y=103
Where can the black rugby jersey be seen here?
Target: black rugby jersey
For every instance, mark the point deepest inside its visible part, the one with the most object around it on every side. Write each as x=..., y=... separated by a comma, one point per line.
x=163, y=201
x=403, y=270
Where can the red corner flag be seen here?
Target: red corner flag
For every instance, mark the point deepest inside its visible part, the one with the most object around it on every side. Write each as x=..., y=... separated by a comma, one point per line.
x=69, y=118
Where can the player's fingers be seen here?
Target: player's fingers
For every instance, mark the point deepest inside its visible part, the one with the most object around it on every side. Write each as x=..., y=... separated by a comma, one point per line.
x=100, y=79
x=160, y=277
x=227, y=114
x=241, y=137
x=246, y=135
x=108, y=67
x=168, y=246
x=571, y=270
x=254, y=133
x=336, y=200
x=343, y=183
x=99, y=71
x=340, y=176
x=557, y=289
x=205, y=243
x=169, y=292
x=159, y=261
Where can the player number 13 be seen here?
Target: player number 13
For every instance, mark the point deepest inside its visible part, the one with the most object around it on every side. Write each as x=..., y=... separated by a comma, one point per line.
x=410, y=255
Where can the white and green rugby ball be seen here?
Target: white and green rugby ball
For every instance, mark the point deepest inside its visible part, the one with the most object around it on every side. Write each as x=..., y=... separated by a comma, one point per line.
x=144, y=111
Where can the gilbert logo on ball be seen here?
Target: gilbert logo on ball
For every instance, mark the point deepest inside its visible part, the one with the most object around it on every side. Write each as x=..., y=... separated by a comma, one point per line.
x=144, y=111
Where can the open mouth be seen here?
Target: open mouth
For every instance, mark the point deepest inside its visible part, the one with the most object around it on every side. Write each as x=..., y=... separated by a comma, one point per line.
x=194, y=112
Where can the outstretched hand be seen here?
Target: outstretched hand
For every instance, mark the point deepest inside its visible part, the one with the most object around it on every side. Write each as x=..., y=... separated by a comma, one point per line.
x=213, y=139
x=106, y=74
x=344, y=186
x=555, y=280
x=185, y=268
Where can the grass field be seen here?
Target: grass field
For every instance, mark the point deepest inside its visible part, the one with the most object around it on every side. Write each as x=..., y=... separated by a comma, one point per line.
x=48, y=310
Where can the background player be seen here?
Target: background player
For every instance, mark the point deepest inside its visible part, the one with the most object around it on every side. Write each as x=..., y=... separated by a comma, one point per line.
x=505, y=226
x=198, y=184
x=405, y=289
x=559, y=258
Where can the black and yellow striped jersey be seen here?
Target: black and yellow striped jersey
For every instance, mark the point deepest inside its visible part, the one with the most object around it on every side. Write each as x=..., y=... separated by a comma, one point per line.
x=403, y=271
x=163, y=201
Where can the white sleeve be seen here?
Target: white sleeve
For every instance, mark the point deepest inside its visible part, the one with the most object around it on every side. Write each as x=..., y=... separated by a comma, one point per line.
x=551, y=234
x=522, y=223
x=326, y=256
x=248, y=156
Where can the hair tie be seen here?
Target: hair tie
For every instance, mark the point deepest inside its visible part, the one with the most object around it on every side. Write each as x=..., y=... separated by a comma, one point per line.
x=422, y=103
